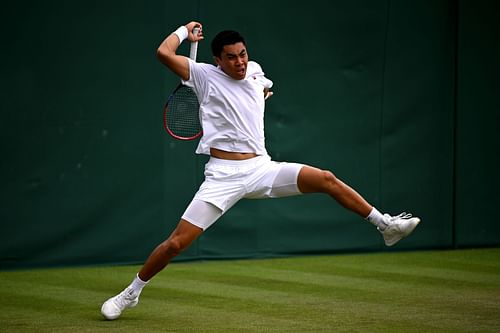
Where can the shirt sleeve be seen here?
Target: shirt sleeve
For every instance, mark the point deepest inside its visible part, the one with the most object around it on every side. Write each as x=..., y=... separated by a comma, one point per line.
x=197, y=78
x=255, y=70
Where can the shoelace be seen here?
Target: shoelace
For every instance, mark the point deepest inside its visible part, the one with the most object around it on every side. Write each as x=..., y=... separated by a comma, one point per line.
x=403, y=215
x=124, y=298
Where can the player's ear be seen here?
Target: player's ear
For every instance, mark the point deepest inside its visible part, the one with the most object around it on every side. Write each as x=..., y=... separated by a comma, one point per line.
x=217, y=60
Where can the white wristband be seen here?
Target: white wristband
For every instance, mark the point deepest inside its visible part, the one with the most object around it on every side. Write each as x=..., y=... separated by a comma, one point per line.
x=182, y=33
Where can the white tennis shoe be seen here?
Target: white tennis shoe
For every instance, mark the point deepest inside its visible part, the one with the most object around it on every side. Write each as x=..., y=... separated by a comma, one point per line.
x=398, y=227
x=113, y=307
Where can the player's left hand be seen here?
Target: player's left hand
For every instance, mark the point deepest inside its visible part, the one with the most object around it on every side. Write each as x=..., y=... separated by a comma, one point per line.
x=267, y=93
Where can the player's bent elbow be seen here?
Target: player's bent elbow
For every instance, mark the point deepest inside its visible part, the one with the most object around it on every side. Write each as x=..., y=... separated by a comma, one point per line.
x=162, y=55
x=166, y=56
x=177, y=64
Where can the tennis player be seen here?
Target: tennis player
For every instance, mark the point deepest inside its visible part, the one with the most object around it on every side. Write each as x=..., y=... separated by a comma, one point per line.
x=232, y=96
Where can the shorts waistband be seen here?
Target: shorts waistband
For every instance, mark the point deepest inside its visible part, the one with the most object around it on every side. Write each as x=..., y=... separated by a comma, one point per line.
x=247, y=162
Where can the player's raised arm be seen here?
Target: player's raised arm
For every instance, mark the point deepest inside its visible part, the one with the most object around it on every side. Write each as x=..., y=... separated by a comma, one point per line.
x=167, y=50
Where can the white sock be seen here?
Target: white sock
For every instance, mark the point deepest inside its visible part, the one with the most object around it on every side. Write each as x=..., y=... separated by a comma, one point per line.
x=377, y=219
x=138, y=284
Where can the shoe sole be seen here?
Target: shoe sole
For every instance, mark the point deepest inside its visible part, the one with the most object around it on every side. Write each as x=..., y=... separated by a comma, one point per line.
x=114, y=316
x=392, y=242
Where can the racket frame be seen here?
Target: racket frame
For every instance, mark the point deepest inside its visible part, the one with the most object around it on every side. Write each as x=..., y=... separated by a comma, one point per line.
x=193, y=51
x=165, y=126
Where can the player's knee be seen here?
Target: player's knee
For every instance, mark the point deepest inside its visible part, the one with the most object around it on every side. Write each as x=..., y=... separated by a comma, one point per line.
x=172, y=247
x=329, y=180
x=314, y=180
x=328, y=177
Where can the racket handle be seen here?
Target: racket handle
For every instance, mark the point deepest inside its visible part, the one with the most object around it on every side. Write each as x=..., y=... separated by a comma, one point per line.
x=194, y=45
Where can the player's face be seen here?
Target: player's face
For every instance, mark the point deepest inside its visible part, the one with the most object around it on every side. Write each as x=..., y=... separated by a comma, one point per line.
x=234, y=60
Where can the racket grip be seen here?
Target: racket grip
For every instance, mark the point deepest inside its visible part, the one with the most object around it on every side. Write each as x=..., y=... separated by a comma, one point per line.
x=194, y=45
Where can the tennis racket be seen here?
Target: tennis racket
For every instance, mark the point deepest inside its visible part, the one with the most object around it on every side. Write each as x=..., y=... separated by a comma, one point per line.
x=181, y=114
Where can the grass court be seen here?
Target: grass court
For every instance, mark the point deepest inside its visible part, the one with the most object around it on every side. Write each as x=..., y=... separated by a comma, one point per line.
x=427, y=291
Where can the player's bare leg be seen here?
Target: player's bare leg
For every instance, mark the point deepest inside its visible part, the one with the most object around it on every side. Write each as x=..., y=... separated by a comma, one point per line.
x=179, y=240
x=393, y=228
x=313, y=180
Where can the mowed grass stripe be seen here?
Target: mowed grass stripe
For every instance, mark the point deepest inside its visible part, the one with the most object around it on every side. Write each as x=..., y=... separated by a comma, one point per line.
x=322, y=292
x=178, y=304
x=445, y=291
x=368, y=278
x=298, y=313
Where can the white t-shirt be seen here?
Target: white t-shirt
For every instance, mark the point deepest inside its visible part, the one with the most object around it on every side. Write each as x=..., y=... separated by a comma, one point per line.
x=231, y=111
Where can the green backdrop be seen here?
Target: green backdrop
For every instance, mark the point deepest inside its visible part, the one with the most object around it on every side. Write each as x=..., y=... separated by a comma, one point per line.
x=397, y=98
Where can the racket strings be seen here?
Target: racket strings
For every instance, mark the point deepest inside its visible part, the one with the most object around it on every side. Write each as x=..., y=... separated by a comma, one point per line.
x=182, y=114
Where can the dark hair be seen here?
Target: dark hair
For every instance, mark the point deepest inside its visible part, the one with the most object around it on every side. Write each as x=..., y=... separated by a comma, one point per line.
x=223, y=38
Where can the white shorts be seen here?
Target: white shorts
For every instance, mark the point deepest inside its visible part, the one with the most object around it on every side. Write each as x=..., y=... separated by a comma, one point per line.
x=227, y=182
